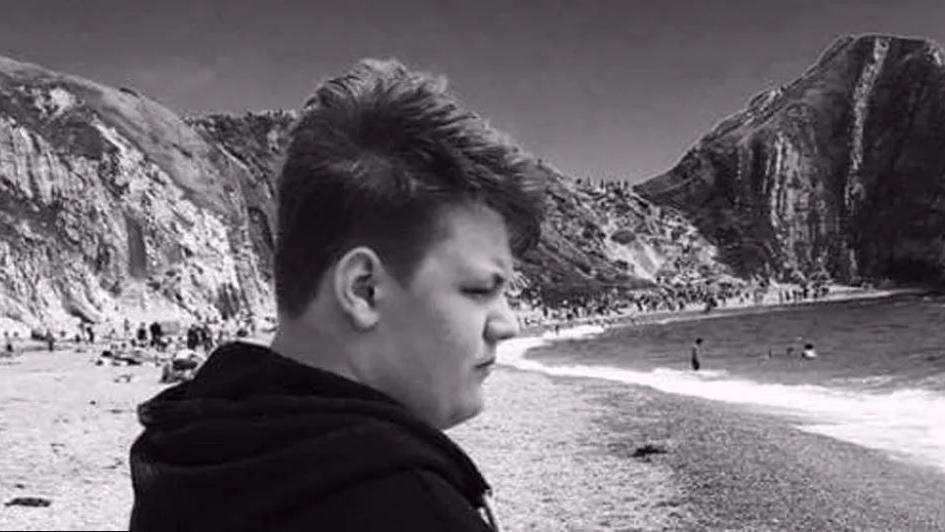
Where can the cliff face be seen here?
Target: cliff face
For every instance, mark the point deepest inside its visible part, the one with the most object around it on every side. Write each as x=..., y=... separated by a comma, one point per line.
x=603, y=236
x=111, y=206
x=254, y=142
x=839, y=172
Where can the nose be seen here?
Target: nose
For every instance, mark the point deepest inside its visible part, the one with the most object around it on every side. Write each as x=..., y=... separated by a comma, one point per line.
x=501, y=324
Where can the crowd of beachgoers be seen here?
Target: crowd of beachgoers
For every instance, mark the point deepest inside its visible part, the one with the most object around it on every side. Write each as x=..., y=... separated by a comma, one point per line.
x=611, y=307
x=186, y=343
x=177, y=348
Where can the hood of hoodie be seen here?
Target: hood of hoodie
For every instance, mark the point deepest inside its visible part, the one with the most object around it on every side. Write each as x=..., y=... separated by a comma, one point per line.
x=235, y=440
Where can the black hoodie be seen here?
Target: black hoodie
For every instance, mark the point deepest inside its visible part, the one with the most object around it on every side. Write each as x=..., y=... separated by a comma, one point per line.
x=259, y=442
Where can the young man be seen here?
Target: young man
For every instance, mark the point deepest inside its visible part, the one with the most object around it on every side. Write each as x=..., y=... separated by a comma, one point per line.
x=398, y=216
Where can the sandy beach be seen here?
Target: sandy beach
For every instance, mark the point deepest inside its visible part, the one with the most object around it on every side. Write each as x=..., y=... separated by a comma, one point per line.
x=562, y=454
x=66, y=426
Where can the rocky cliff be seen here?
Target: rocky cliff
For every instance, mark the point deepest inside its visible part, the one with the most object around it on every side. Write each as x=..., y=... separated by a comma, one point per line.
x=112, y=206
x=840, y=172
x=604, y=235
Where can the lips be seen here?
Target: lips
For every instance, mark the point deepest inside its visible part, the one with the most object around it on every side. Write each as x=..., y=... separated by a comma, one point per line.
x=486, y=364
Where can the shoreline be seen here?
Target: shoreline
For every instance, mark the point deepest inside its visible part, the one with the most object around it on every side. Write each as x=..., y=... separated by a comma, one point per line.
x=745, y=470
x=742, y=466
x=817, y=409
x=634, y=458
x=837, y=294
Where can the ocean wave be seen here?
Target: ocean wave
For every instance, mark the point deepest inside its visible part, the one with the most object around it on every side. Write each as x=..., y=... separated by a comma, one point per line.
x=905, y=422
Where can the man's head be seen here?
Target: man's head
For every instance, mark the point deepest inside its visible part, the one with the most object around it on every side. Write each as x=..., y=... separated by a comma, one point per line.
x=399, y=213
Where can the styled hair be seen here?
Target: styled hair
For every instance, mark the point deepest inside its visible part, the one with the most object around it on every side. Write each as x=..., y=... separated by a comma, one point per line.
x=373, y=159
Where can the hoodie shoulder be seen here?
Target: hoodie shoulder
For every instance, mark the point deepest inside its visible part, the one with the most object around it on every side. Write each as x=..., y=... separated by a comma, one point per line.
x=255, y=438
x=415, y=500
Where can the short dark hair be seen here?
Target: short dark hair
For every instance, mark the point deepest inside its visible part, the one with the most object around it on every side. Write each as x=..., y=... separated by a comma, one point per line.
x=375, y=155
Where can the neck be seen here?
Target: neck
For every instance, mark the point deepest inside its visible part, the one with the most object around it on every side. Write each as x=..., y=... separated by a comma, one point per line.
x=312, y=349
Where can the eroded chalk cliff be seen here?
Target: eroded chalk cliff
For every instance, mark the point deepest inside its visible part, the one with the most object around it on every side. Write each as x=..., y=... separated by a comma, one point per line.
x=111, y=205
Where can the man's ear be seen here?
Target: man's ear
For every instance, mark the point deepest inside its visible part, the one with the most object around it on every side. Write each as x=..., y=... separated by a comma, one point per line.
x=356, y=277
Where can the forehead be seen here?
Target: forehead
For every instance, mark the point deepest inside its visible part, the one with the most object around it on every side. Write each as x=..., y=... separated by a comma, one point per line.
x=474, y=238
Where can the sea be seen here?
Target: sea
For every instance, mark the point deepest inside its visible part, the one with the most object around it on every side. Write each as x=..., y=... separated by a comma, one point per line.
x=878, y=380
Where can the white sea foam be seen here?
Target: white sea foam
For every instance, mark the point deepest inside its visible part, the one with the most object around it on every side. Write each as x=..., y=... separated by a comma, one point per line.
x=907, y=423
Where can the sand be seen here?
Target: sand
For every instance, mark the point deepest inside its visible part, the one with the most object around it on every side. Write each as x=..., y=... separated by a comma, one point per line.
x=65, y=429
x=744, y=470
x=555, y=464
x=66, y=425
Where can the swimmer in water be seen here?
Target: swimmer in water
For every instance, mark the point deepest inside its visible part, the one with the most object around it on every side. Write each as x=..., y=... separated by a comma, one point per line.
x=695, y=354
x=809, y=351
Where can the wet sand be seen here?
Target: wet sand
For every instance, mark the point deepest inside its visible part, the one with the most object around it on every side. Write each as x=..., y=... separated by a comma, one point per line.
x=740, y=469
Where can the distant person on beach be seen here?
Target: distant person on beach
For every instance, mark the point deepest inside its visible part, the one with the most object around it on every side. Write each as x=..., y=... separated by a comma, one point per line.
x=157, y=336
x=710, y=303
x=193, y=337
x=696, y=348
x=182, y=366
x=50, y=339
x=809, y=351
x=205, y=337
x=142, y=335
x=398, y=217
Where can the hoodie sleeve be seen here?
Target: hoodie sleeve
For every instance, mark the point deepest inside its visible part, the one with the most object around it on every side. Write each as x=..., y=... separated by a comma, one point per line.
x=413, y=500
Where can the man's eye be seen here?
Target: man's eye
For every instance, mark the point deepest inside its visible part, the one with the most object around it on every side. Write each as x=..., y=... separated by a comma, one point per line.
x=480, y=292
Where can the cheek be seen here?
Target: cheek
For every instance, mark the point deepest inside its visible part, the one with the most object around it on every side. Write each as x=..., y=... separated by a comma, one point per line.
x=445, y=321
x=453, y=335
x=461, y=322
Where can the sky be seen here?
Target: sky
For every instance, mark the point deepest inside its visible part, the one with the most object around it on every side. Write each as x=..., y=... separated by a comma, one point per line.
x=606, y=89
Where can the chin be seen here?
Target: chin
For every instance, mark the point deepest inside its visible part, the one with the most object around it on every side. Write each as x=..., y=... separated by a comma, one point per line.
x=470, y=409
